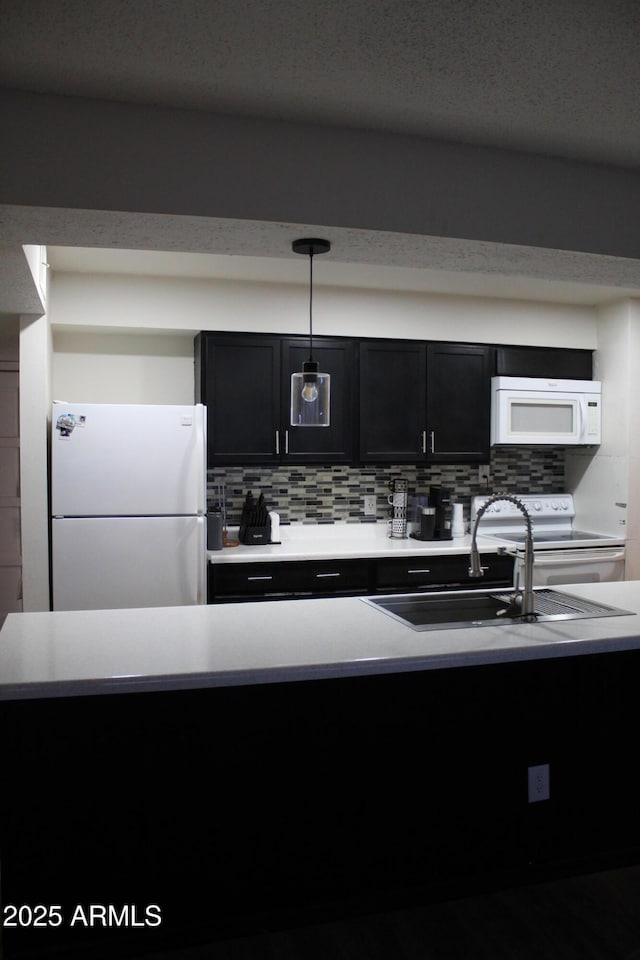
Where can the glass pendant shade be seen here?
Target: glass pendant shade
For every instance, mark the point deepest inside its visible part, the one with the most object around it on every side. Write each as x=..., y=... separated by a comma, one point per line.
x=310, y=389
x=310, y=397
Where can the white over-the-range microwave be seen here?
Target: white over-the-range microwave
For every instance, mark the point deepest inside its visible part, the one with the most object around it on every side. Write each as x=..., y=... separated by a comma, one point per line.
x=532, y=410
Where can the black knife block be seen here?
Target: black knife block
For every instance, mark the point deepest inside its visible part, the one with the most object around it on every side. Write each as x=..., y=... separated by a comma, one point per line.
x=254, y=535
x=255, y=523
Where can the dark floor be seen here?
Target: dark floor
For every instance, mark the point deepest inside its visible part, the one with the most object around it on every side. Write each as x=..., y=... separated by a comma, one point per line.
x=590, y=917
x=595, y=916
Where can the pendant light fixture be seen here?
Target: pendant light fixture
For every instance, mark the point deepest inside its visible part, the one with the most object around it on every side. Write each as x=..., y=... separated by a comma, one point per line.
x=310, y=389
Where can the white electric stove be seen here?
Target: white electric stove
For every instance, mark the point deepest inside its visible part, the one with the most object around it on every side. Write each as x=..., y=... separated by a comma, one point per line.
x=563, y=554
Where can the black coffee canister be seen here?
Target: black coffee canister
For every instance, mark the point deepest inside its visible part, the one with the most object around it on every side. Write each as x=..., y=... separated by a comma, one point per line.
x=427, y=523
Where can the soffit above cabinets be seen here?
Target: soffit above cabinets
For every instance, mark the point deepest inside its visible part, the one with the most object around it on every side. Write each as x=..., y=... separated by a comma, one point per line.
x=556, y=277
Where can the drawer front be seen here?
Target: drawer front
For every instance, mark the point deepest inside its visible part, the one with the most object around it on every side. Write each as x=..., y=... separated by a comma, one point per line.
x=413, y=574
x=434, y=573
x=337, y=577
x=254, y=579
x=288, y=579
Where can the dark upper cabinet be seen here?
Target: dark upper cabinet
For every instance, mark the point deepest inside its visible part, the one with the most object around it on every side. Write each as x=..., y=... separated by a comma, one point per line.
x=458, y=402
x=245, y=382
x=560, y=363
x=392, y=401
x=424, y=402
x=335, y=443
x=238, y=378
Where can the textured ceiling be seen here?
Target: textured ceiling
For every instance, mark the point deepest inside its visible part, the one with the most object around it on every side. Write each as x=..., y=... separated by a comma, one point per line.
x=557, y=77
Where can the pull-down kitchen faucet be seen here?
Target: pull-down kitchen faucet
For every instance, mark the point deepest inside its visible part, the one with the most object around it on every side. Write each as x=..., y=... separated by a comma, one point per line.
x=476, y=570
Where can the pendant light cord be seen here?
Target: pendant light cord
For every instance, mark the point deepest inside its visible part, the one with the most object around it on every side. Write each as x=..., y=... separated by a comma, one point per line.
x=311, y=304
x=310, y=247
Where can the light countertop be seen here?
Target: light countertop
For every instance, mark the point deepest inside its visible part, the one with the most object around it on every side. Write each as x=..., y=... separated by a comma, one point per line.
x=79, y=653
x=335, y=541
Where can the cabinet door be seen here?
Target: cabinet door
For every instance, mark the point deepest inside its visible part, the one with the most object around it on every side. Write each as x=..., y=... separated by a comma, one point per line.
x=332, y=444
x=238, y=378
x=458, y=403
x=560, y=363
x=392, y=401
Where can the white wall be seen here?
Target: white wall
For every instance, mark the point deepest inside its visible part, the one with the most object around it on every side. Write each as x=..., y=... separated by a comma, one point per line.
x=35, y=402
x=95, y=367
x=633, y=516
x=173, y=304
x=139, y=345
x=36, y=257
x=606, y=483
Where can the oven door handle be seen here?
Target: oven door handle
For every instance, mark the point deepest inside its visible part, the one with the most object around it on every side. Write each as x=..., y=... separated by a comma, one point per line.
x=562, y=558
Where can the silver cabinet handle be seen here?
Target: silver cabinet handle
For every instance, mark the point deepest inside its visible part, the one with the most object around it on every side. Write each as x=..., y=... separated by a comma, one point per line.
x=424, y=441
x=286, y=441
x=433, y=441
x=418, y=571
x=321, y=575
x=259, y=578
x=277, y=441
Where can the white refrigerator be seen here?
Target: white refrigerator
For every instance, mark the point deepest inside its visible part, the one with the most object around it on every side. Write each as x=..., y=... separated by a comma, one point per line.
x=128, y=504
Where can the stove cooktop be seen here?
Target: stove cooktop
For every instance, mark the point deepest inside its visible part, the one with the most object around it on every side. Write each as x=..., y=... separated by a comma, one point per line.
x=571, y=536
x=552, y=517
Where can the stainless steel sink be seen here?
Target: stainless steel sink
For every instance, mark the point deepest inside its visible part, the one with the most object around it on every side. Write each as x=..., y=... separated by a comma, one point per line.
x=485, y=608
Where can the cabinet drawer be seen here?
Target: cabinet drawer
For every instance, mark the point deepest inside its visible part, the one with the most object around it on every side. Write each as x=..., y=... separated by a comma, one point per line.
x=288, y=579
x=342, y=576
x=253, y=579
x=433, y=573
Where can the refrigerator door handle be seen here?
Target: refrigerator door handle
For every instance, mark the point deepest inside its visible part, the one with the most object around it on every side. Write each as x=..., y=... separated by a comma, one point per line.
x=201, y=585
x=201, y=433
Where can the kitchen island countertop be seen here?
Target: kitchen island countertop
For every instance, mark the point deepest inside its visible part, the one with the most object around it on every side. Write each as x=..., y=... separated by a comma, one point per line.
x=79, y=653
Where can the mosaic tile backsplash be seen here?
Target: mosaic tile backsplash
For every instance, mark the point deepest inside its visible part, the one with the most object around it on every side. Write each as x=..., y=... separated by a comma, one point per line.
x=318, y=494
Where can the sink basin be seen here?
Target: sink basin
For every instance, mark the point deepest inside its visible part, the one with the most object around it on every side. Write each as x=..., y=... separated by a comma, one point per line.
x=490, y=608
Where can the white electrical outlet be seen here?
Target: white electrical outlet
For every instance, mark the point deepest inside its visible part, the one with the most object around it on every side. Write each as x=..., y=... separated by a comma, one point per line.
x=484, y=474
x=370, y=505
x=539, y=785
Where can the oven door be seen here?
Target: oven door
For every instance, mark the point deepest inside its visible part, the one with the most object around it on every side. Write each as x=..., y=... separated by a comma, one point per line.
x=573, y=565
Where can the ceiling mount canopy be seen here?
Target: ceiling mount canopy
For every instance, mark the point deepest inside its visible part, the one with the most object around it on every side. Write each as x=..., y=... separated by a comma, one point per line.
x=310, y=247
x=310, y=389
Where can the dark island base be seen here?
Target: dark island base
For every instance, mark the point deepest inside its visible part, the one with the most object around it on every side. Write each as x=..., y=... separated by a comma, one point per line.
x=243, y=809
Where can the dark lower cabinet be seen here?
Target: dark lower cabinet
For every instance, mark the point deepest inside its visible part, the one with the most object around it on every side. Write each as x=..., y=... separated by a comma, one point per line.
x=250, y=807
x=296, y=579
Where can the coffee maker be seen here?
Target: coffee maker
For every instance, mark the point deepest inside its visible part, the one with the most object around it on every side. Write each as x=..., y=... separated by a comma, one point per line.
x=440, y=498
